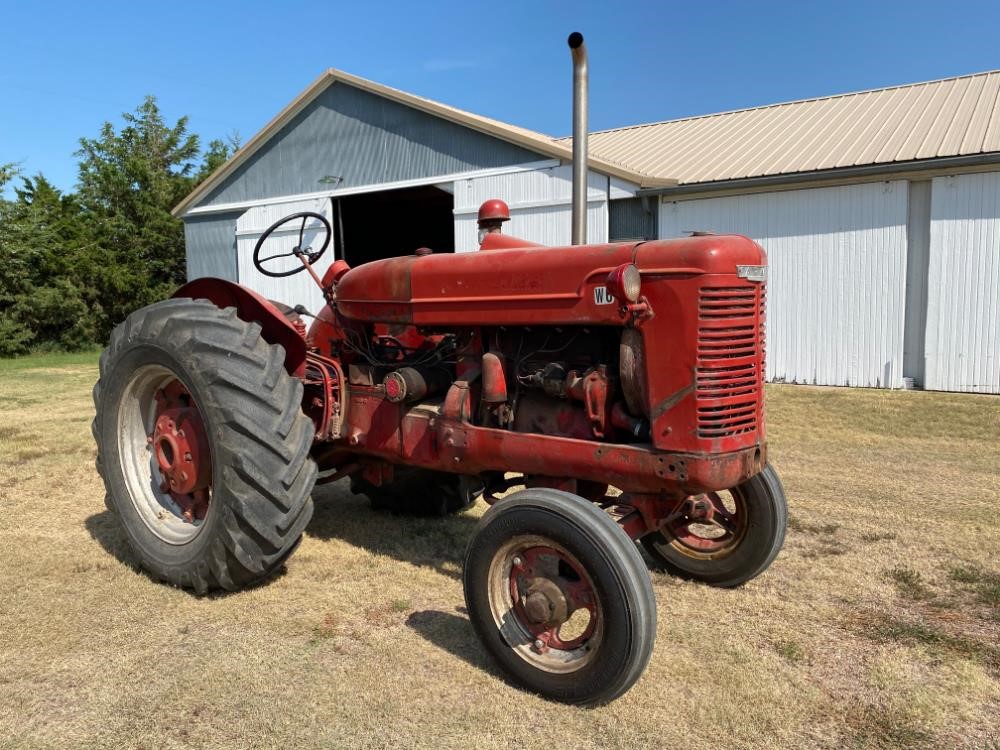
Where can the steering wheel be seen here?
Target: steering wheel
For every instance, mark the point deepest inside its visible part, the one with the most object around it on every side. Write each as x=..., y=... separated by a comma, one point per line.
x=298, y=251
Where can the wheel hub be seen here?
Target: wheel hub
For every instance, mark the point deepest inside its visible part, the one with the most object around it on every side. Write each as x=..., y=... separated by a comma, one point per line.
x=545, y=603
x=180, y=446
x=547, y=587
x=703, y=525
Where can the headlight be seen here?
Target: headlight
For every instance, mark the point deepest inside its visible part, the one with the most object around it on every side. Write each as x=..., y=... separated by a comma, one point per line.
x=625, y=282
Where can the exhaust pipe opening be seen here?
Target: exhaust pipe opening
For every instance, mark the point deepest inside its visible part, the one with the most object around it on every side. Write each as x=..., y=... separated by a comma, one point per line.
x=578, y=51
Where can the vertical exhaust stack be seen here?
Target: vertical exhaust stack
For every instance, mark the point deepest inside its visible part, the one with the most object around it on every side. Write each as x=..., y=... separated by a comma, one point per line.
x=580, y=135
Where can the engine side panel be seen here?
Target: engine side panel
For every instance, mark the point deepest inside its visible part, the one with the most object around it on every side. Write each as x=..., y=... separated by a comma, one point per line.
x=523, y=286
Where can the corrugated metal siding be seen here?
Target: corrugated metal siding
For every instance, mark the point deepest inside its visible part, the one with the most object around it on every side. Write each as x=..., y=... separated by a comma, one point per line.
x=632, y=219
x=837, y=276
x=210, y=245
x=299, y=289
x=539, y=203
x=951, y=117
x=364, y=139
x=963, y=306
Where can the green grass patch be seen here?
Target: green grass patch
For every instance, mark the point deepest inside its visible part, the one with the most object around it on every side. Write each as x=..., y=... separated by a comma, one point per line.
x=986, y=584
x=878, y=536
x=87, y=358
x=918, y=633
x=826, y=529
x=910, y=583
x=790, y=651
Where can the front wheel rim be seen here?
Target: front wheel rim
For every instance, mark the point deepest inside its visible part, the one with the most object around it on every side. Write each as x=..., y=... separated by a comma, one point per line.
x=530, y=573
x=164, y=453
x=708, y=526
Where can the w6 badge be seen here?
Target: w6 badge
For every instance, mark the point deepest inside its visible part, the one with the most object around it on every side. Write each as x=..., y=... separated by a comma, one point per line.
x=602, y=296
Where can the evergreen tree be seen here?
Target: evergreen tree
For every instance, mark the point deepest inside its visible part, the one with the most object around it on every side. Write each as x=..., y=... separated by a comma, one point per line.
x=72, y=266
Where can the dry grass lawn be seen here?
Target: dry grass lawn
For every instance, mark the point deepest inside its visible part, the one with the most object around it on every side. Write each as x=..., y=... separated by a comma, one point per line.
x=877, y=627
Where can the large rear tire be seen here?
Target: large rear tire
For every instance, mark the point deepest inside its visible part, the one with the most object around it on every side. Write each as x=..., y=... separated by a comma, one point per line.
x=751, y=520
x=189, y=362
x=560, y=596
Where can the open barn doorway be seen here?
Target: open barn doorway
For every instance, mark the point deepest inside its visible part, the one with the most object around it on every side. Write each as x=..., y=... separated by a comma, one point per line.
x=371, y=226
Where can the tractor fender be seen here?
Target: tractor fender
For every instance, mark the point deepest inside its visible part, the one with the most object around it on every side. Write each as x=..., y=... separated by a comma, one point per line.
x=275, y=328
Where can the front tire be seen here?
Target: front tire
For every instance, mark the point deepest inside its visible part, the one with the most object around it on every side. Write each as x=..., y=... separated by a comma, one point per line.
x=189, y=358
x=560, y=597
x=751, y=517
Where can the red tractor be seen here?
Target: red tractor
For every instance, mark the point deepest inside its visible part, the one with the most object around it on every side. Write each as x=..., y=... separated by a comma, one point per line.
x=622, y=385
x=433, y=380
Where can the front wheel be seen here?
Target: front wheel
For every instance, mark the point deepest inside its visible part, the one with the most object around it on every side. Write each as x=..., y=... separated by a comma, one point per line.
x=202, y=445
x=724, y=538
x=560, y=597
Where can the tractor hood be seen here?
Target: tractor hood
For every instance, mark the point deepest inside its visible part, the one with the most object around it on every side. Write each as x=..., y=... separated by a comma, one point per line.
x=526, y=285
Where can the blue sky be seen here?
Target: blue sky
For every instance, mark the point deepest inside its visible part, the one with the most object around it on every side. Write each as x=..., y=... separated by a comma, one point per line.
x=231, y=66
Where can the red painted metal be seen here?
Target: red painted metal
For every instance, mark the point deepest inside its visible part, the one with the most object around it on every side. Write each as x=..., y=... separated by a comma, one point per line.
x=619, y=286
x=251, y=307
x=180, y=446
x=493, y=210
x=497, y=241
x=547, y=587
x=446, y=440
x=334, y=273
x=667, y=403
x=494, y=379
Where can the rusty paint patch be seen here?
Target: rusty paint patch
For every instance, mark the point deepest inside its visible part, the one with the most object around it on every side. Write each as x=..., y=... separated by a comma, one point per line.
x=671, y=401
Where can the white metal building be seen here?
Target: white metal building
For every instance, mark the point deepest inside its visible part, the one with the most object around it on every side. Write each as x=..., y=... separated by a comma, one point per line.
x=879, y=210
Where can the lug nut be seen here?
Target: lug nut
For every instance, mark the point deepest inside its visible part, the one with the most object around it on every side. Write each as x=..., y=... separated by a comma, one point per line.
x=517, y=562
x=539, y=645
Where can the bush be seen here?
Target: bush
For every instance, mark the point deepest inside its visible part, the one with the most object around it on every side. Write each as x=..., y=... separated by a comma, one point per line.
x=15, y=336
x=57, y=314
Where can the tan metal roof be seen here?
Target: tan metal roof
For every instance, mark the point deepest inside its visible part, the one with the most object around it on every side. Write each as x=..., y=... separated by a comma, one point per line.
x=528, y=139
x=950, y=117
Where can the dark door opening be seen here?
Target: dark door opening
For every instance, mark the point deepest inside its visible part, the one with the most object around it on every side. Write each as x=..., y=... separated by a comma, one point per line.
x=372, y=226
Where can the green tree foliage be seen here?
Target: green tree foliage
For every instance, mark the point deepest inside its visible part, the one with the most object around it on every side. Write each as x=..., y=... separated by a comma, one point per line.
x=74, y=265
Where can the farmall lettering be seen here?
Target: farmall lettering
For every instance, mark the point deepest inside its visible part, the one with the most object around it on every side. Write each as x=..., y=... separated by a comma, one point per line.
x=586, y=418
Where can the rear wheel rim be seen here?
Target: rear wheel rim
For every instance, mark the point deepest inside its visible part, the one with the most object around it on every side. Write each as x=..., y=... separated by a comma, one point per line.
x=162, y=440
x=525, y=574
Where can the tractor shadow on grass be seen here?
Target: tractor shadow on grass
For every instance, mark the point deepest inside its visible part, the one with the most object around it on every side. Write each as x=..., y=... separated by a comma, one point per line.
x=453, y=633
x=105, y=529
x=437, y=543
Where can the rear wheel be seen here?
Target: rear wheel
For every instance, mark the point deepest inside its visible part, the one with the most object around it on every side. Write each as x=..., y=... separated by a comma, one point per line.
x=202, y=445
x=724, y=538
x=560, y=597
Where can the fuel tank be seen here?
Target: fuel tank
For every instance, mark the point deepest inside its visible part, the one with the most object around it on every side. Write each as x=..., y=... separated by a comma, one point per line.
x=526, y=285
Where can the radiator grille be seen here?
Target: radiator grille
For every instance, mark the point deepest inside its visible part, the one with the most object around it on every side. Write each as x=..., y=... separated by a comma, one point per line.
x=730, y=360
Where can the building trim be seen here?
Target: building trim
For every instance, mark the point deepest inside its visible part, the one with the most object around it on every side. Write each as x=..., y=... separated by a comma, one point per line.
x=921, y=169
x=374, y=188
x=535, y=204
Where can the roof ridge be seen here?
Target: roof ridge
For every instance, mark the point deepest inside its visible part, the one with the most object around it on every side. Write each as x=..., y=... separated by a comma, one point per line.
x=543, y=138
x=707, y=115
x=343, y=74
